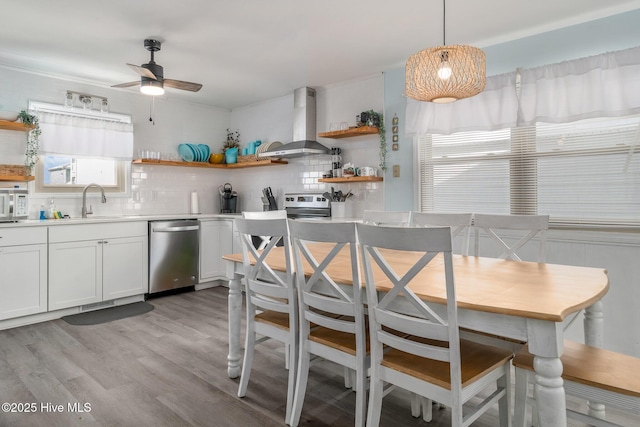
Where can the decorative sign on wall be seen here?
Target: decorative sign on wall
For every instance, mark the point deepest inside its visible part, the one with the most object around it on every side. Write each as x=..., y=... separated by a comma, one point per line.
x=394, y=129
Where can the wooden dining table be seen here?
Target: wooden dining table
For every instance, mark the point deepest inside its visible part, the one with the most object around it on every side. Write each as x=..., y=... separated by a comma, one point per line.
x=524, y=301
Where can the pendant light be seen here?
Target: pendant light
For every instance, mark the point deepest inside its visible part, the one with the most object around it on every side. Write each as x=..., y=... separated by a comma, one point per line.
x=445, y=73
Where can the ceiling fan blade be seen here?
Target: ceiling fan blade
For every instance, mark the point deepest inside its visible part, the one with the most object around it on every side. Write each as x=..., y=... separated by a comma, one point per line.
x=179, y=84
x=142, y=71
x=128, y=84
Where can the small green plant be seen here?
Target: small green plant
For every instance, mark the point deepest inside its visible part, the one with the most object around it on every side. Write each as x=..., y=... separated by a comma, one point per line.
x=377, y=119
x=233, y=140
x=33, y=138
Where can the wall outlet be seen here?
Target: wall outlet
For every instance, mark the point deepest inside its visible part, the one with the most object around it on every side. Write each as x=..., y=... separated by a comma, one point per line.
x=396, y=171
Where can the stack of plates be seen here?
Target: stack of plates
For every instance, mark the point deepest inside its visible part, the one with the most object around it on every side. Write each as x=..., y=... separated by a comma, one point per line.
x=265, y=146
x=194, y=152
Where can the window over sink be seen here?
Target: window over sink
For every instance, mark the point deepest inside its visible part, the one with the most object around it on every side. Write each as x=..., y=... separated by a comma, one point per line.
x=79, y=147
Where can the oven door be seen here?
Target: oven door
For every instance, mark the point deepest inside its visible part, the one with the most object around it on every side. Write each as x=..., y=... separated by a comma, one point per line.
x=307, y=213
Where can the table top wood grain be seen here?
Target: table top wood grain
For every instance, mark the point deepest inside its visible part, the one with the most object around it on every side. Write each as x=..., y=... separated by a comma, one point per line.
x=523, y=289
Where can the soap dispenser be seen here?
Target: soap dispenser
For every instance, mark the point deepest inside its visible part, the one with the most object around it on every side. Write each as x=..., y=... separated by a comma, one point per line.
x=52, y=209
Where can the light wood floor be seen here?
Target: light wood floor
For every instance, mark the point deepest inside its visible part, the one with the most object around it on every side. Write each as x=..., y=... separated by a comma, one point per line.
x=168, y=368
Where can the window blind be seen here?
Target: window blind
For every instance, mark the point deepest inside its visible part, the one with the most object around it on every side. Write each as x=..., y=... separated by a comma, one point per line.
x=584, y=172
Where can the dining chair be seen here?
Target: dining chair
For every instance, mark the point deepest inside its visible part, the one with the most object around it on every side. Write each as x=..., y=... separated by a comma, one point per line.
x=491, y=224
x=395, y=218
x=424, y=354
x=589, y=373
x=338, y=332
x=272, y=309
x=262, y=241
x=460, y=224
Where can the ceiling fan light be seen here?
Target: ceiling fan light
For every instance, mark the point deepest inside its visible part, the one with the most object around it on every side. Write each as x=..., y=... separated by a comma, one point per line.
x=445, y=73
x=151, y=87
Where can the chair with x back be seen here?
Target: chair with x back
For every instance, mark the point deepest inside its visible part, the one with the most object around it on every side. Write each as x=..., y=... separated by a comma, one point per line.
x=338, y=334
x=263, y=240
x=532, y=225
x=390, y=218
x=424, y=354
x=272, y=309
x=460, y=224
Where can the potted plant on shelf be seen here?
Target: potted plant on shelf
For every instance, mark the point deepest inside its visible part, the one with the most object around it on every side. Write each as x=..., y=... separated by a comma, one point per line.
x=373, y=118
x=32, y=127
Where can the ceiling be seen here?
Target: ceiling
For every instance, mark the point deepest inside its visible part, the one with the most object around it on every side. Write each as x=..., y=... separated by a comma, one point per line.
x=247, y=51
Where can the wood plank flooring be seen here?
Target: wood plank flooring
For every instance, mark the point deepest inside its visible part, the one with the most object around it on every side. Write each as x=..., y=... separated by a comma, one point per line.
x=168, y=367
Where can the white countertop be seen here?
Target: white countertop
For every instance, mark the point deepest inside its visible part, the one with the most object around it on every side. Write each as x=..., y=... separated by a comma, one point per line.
x=112, y=218
x=145, y=217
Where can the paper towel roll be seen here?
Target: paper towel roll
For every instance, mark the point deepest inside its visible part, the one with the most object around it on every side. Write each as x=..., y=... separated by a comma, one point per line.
x=195, y=209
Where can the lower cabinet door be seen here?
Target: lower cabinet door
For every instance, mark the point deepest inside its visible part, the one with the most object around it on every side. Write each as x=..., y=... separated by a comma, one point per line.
x=215, y=241
x=125, y=267
x=75, y=274
x=23, y=280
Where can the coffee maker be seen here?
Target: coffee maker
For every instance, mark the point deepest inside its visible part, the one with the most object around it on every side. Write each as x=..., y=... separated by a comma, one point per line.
x=228, y=199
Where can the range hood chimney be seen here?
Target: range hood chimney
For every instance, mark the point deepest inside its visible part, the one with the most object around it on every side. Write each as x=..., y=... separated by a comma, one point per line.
x=304, y=128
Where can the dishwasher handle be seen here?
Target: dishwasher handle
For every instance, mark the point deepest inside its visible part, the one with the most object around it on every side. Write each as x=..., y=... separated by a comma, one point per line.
x=170, y=229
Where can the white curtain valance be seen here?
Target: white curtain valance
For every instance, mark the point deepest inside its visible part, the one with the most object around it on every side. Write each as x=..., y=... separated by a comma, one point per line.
x=495, y=108
x=606, y=85
x=69, y=135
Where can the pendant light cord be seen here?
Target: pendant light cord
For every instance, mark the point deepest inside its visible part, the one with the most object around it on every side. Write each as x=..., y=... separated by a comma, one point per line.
x=444, y=22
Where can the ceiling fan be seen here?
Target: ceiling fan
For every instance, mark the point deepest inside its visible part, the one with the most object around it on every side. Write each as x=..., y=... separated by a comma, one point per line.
x=152, y=81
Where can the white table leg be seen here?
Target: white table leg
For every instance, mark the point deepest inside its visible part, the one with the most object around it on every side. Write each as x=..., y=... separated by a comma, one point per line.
x=550, y=395
x=234, y=316
x=546, y=343
x=593, y=336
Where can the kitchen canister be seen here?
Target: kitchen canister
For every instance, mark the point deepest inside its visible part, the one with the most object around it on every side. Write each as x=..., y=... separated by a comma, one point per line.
x=231, y=155
x=338, y=209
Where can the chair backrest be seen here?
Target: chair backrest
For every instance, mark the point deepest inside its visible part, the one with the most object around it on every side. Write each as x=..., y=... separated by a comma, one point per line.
x=396, y=256
x=319, y=296
x=389, y=218
x=267, y=289
x=460, y=224
x=279, y=214
x=262, y=241
x=533, y=224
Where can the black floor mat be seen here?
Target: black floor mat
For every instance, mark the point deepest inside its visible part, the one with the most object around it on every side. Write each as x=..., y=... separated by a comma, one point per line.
x=109, y=314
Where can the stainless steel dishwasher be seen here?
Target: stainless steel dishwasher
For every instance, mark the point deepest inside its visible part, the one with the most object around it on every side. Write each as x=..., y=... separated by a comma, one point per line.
x=173, y=254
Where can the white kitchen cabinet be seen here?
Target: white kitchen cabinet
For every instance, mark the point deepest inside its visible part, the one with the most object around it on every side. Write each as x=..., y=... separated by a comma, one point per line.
x=216, y=237
x=23, y=271
x=91, y=263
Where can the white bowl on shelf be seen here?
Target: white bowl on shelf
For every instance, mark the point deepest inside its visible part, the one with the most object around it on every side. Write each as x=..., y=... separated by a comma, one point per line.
x=10, y=116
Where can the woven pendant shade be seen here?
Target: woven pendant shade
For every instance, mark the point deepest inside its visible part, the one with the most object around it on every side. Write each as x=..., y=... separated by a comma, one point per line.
x=445, y=73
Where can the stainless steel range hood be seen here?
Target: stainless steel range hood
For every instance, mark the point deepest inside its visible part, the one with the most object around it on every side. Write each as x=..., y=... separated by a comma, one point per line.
x=304, y=128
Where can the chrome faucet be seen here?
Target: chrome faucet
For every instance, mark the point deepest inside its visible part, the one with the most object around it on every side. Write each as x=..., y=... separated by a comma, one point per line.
x=86, y=211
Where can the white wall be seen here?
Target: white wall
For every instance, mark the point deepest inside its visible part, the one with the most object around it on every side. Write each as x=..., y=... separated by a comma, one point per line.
x=153, y=190
x=273, y=121
x=164, y=189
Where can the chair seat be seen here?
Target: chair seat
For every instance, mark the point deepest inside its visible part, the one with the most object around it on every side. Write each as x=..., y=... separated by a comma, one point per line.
x=476, y=360
x=274, y=318
x=342, y=341
x=594, y=367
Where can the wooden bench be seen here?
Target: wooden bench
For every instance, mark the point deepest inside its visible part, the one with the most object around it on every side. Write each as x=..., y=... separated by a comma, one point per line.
x=589, y=373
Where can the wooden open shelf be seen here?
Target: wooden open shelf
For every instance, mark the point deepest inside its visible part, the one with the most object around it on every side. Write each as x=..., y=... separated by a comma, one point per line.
x=13, y=125
x=210, y=165
x=16, y=178
x=353, y=179
x=351, y=132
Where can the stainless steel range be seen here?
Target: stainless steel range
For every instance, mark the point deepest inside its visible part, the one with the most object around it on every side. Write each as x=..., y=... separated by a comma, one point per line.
x=306, y=205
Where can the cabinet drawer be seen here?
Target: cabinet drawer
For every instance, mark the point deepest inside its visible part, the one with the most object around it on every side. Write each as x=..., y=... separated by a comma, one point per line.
x=78, y=232
x=23, y=236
